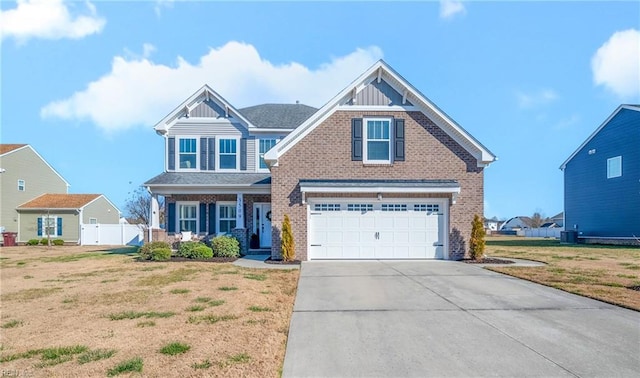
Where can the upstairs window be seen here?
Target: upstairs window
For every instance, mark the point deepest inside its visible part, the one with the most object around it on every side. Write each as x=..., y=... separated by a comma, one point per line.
x=188, y=153
x=265, y=145
x=377, y=143
x=614, y=167
x=21, y=186
x=228, y=156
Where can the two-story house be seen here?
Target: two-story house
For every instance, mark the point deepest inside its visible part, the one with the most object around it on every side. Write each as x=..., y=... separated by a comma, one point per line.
x=377, y=172
x=602, y=182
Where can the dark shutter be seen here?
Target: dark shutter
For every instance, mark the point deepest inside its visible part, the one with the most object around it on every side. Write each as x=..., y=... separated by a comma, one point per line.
x=399, y=140
x=243, y=154
x=59, y=226
x=203, y=154
x=203, y=217
x=171, y=154
x=212, y=154
x=212, y=218
x=39, y=226
x=356, y=139
x=171, y=217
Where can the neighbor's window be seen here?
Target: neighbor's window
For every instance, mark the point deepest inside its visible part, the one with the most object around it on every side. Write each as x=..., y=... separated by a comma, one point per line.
x=227, y=217
x=49, y=224
x=188, y=153
x=614, y=167
x=93, y=220
x=228, y=154
x=265, y=145
x=188, y=217
x=21, y=185
x=377, y=144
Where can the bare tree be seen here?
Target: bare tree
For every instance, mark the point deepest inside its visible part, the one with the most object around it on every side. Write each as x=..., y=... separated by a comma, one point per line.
x=138, y=207
x=537, y=220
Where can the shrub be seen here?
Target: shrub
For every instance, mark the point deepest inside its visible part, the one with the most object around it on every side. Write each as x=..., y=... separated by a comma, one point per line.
x=145, y=250
x=160, y=254
x=33, y=242
x=195, y=250
x=202, y=252
x=476, y=243
x=287, y=244
x=57, y=242
x=225, y=246
x=44, y=241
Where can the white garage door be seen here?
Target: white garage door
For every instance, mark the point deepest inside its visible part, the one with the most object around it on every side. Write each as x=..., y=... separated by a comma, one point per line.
x=376, y=230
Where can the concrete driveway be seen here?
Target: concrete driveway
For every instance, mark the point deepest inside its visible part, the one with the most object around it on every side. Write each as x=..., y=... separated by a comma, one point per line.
x=450, y=319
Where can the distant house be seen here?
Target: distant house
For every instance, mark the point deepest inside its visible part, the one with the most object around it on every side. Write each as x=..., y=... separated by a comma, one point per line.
x=492, y=224
x=549, y=225
x=602, y=181
x=516, y=223
x=63, y=216
x=558, y=219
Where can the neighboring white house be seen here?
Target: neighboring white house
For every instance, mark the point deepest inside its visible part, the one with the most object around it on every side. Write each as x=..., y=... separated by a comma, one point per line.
x=516, y=223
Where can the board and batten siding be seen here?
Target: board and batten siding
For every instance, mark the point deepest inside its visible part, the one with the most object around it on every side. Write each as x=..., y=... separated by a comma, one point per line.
x=29, y=225
x=594, y=204
x=102, y=210
x=378, y=94
x=39, y=178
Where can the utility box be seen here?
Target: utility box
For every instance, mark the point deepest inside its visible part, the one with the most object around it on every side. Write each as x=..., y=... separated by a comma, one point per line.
x=569, y=237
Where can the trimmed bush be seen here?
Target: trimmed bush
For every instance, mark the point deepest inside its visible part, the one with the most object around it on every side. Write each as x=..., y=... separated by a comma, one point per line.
x=195, y=250
x=57, y=242
x=33, y=242
x=202, y=252
x=161, y=254
x=476, y=243
x=145, y=250
x=225, y=246
x=44, y=241
x=287, y=244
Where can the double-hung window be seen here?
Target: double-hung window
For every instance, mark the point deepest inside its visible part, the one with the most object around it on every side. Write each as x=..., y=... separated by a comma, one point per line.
x=228, y=153
x=188, y=153
x=227, y=218
x=49, y=226
x=614, y=167
x=264, y=146
x=377, y=143
x=21, y=185
x=188, y=217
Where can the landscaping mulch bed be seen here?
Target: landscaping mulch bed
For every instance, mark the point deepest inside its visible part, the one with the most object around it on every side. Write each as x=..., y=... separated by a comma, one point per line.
x=182, y=259
x=282, y=262
x=488, y=260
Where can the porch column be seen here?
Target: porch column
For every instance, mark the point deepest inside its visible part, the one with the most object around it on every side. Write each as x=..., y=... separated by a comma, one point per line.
x=239, y=211
x=154, y=219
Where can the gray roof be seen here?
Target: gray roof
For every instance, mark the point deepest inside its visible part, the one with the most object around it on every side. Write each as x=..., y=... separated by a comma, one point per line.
x=278, y=116
x=382, y=183
x=209, y=179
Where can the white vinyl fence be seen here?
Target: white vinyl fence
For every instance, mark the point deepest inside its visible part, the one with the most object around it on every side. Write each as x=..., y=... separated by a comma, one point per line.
x=112, y=234
x=543, y=232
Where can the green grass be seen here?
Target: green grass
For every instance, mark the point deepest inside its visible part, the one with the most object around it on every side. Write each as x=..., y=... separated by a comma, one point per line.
x=58, y=355
x=216, y=302
x=136, y=315
x=257, y=277
x=630, y=276
x=265, y=292
x=180, y=291
x=203, y=299
x=109, y=280
x=74, y=257
x=148, y=323
x=128, y=366
x=259, y=309
x=95, y=355
x=178, y=275
x=68, y=300
x=150, y=268
x=201, y=365
x=227, y=288
x=174, y=348
x=21, y=263
x=196, y=308
x=239, y=358
x=12, y=324
x=18, y=356
x=210, y=319
x=27, y=277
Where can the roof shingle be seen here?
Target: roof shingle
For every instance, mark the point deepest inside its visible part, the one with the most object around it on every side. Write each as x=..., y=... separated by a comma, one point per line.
x=4, y=148
x=278, y=116
x=59, y=201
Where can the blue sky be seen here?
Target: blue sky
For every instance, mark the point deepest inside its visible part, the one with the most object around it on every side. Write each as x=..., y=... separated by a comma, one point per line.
x=84, y=82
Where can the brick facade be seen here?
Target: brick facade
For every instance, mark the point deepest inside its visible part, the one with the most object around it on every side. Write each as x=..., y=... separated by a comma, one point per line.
x=325, y=153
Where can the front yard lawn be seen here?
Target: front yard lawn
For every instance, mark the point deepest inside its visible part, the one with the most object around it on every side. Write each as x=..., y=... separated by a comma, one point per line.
x=85, y=312
x=607, y=273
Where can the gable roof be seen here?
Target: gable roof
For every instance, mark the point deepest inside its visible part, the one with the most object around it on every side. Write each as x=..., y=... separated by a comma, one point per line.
x=60, y=201
x=381, y=70
x=615, y=113
x=6, y=149
x=278, y=116
x=203, y=94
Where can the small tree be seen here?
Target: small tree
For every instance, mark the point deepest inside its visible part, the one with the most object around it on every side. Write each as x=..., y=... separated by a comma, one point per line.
x=476, y=243
x=287, y=245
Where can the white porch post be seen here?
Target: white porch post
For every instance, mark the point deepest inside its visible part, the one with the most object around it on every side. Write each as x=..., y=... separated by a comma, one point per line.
x=239, y=211
x=154, y=212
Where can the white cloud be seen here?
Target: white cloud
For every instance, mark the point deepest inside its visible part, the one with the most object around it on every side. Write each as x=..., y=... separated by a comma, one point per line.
x=616, y=64
x=449, y=8
x=138, y=91
x=533, y=99
x=48, y=19
x=567, y=122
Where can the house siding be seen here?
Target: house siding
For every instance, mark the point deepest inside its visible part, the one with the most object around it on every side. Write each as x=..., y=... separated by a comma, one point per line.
x=325, y=153
x=378, y=94
x=102, y=210
x=595, y=205
x=24, y=164
x=29, y=225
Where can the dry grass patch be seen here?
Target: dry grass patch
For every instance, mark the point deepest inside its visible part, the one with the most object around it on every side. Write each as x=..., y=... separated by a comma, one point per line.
x=80, y=296
x=599, y=272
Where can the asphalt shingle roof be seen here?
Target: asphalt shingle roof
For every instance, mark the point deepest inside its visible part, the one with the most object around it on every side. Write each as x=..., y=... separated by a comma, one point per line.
x=278, y=116
x=210, y=179
x=59, y=201
x=4, y=148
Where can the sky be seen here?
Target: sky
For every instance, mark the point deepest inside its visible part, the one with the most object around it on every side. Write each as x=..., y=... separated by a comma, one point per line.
x=84, y=82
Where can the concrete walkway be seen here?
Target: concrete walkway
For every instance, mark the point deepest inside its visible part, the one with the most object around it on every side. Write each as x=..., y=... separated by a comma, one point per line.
x=450, y=319
x=258, y=262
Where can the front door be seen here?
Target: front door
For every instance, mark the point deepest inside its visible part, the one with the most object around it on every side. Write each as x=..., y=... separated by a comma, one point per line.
x=262, y=223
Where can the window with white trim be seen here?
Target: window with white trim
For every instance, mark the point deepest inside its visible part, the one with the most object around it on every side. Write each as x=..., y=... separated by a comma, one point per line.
x=359, y=207
x=21, y=186
x=188, y=217
x=49, y=225
x=428, y=207
x=614, y=167
x=326, y=207
x=226, y=217
x=227, y=153
x=188, y=153
x=377, y=140
x=93, y=220
x=265, y=145
x=394, y=207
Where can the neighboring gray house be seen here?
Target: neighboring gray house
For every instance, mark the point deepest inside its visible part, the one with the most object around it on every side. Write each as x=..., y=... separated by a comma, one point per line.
x=516, y=223
x=602, y=181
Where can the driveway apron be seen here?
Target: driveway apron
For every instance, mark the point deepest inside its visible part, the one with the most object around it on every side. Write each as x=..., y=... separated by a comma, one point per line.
x=450, y=319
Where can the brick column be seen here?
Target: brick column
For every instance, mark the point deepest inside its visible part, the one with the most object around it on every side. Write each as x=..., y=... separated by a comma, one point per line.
x=241, y=235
